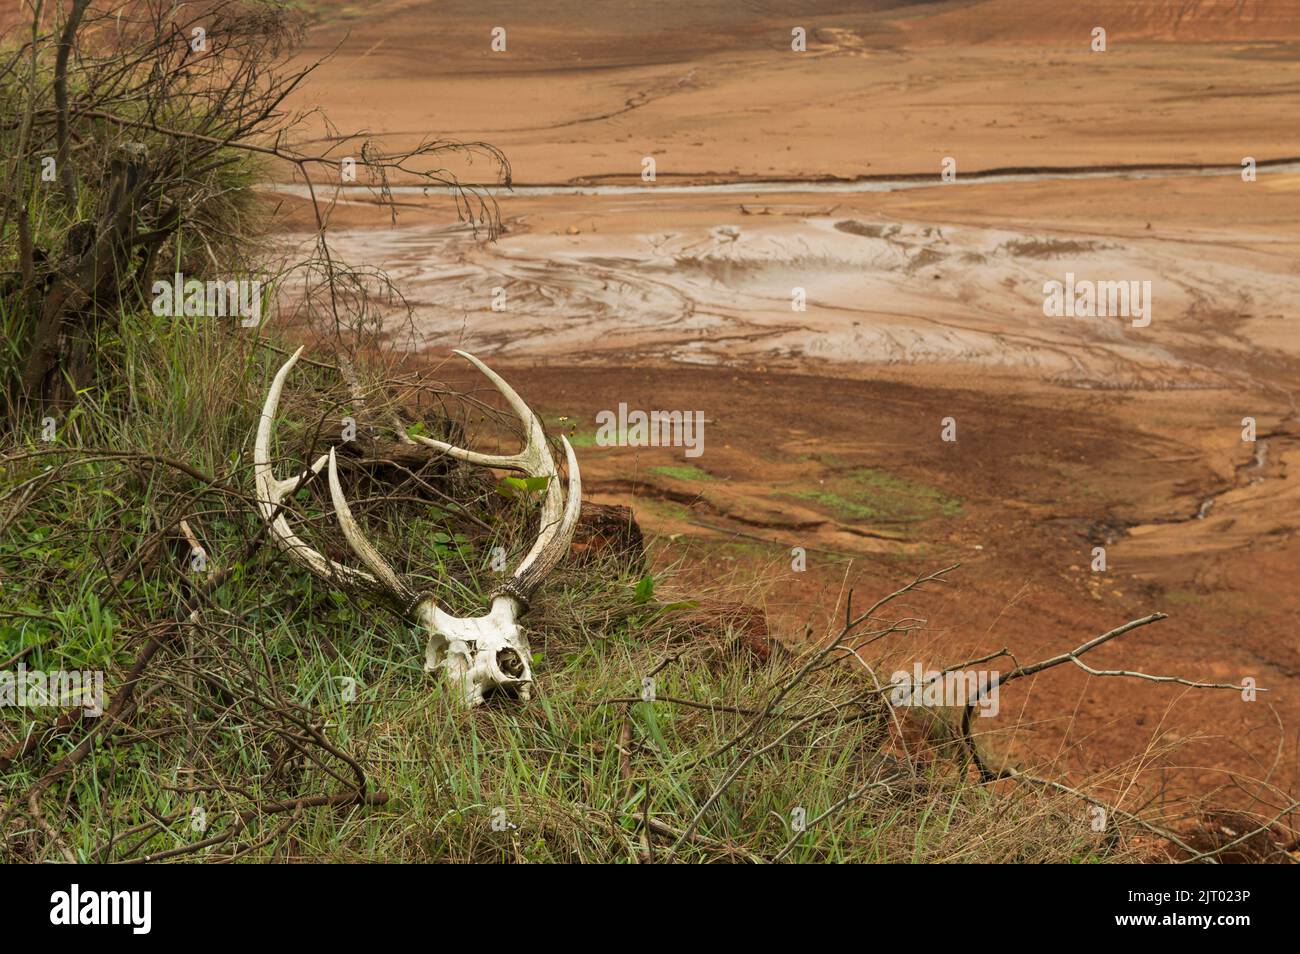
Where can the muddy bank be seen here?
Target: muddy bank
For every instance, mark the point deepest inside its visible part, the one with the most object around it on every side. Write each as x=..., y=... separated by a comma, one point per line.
x=824, y=426
x=853, y=472
x=797, y=275
x=801, y=283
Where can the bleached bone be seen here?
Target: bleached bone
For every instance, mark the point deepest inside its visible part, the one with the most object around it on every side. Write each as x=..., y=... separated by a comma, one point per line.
x=478, y=654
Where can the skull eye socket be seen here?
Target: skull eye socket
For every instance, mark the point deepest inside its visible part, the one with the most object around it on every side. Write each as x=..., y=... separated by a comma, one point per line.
x=508, y=662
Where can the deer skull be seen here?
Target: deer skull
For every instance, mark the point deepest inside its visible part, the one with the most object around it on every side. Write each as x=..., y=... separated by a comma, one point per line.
x=479, y=655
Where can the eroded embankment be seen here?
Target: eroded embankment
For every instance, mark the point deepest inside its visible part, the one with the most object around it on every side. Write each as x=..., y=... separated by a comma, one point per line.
x=824, y=424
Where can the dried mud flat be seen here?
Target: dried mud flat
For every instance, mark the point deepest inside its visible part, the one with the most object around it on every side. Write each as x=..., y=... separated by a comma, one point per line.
x=922, y=304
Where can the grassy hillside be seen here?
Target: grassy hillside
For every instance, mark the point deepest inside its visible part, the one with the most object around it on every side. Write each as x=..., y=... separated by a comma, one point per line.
x=290, y=722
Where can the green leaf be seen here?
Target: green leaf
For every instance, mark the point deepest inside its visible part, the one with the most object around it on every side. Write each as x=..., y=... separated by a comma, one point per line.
x=645, y=590
x=510, y=486
x=516, y=487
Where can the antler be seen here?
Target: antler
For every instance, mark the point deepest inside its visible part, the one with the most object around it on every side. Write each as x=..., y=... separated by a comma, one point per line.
x=270, y=493
x=479, y=654
x=559, y=518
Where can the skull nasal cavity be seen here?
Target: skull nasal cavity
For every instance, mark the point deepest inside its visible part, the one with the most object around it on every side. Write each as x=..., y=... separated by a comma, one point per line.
x=508, y=662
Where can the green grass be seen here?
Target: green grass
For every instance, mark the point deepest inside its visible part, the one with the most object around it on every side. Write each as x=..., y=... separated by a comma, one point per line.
x=687, y=472
x=664, y=509
x=870, y=494
x=581, y=439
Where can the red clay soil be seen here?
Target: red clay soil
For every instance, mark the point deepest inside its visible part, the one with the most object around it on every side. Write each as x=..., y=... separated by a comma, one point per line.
x=823, y=426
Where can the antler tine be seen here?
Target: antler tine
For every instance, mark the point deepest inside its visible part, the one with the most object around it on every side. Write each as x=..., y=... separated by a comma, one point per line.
x=556, y=529
x=558, y=519
x=271, y=491
x=360, y=545
x=534, y=453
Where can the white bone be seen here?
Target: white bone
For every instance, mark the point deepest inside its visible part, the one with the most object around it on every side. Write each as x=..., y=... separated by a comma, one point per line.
x=478, y=654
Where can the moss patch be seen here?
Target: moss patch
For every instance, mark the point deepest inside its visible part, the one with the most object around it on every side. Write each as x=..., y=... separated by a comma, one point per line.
x=867, y=493
x=582, y=438
x=685, y=472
